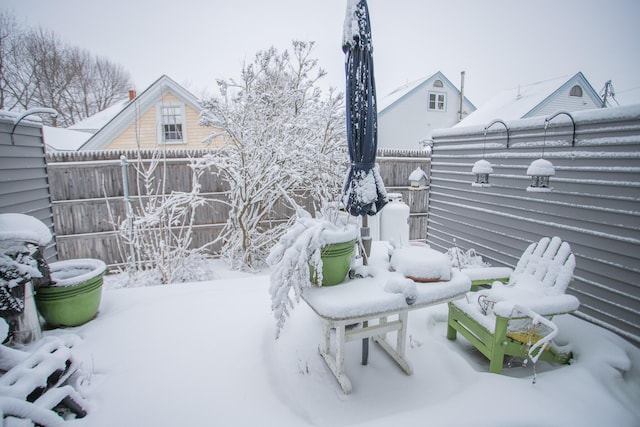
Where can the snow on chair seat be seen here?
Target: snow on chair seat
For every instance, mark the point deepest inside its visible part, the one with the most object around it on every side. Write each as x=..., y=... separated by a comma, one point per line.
x=506, y=319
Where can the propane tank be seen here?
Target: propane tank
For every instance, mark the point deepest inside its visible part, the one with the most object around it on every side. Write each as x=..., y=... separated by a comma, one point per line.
x=394, y=221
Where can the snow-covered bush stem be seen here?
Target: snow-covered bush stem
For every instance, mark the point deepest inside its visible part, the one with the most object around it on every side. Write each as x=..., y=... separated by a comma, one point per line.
x=283, y=136
x=160, y=227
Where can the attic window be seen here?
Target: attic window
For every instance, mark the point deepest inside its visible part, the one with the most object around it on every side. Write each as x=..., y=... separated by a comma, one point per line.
x=576, y=91
x=437, y=101
x=171, y=121
x=438, y=83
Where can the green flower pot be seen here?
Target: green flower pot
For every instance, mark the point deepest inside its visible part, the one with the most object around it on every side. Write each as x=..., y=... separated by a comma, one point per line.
x=336, y=261
x=76, y=296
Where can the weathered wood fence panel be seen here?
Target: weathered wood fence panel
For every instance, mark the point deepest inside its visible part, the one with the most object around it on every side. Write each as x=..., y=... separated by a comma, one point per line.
x=87, y=193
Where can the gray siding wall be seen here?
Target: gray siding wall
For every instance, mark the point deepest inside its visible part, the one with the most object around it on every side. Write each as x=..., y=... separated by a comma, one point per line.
x=594, y=205
x=24, y=184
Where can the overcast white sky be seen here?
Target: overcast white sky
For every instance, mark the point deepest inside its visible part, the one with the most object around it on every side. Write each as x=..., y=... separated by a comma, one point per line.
x=499, y=43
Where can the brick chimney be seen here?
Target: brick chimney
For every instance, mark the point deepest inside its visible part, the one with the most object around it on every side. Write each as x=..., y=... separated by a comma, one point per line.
x=132, y=94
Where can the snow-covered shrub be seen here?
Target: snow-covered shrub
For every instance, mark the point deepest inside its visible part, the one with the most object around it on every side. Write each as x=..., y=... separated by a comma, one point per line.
x=283, y=137
x=465, y=259
x=156, y=236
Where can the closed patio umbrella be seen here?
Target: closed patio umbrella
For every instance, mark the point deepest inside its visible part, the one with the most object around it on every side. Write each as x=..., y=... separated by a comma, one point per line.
x=364, y=192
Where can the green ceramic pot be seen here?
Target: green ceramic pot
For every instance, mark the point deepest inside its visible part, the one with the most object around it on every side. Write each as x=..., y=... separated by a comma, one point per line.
x=76, y=296
x=336, y=261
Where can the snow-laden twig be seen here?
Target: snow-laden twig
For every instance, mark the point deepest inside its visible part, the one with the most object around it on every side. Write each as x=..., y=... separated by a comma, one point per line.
x=161, y=229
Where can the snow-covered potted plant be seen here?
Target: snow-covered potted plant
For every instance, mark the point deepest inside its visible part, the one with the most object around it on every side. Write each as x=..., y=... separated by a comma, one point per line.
x=21, y=268
x=67, y=293
x=314, y=251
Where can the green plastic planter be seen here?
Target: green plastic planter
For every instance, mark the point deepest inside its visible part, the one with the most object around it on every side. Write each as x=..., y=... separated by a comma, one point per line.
x=76, y=296
x=336, y=261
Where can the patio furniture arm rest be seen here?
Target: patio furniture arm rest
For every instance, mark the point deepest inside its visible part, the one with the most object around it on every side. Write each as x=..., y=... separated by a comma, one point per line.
x=544, y=306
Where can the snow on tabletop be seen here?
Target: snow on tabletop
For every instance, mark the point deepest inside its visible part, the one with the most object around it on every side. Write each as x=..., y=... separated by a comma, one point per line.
x=23, y=228
x=75, y=271
x=383, y=293
x=421, y=262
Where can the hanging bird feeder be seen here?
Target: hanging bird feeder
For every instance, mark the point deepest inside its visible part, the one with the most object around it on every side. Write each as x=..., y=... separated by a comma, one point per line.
x=482, y=169
x=540, y=170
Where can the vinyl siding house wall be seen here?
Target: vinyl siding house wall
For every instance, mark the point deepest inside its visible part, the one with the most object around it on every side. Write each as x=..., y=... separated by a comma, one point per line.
x=409, y=114
x=24, y=183
x=594, y=204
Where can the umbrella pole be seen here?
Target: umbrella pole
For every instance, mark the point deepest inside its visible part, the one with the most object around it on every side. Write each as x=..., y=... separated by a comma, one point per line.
x=365, y=234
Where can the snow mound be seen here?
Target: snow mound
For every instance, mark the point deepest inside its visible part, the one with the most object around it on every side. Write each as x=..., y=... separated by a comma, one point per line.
x=421, y=263
x=23, y=228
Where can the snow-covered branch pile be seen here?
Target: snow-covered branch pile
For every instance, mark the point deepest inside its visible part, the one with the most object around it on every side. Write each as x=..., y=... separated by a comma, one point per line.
x=465, y=259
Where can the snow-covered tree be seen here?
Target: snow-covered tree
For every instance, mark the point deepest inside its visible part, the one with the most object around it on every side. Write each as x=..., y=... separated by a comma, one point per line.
x=285, y=138
x=39, y=69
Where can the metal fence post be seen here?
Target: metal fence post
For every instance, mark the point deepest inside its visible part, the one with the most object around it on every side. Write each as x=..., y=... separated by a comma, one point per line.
x=127, y=201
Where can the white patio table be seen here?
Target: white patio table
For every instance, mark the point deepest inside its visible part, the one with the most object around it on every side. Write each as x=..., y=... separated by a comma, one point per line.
x=364, y=300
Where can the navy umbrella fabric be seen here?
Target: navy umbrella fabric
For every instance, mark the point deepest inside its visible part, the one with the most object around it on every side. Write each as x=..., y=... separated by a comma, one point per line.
x=364, y=191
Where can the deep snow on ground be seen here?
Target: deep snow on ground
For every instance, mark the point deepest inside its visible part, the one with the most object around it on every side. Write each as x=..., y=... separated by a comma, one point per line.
x=205, y=354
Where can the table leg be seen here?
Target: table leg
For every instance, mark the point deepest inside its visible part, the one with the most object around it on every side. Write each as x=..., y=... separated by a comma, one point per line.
x=365, y=346
x=402, y=333
x=397, y=353
x=336, y=364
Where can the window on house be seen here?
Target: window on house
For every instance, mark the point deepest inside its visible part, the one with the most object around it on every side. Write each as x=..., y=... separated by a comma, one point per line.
x=171, y=124
x=576, y=91
x=437, y=101
x=438, y=83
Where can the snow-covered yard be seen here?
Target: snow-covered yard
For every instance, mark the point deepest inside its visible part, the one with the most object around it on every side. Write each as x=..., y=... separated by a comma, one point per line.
x=205, y=354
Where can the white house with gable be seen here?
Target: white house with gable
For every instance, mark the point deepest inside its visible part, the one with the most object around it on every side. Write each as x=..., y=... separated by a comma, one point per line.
x=408, y=115
x=566, y=93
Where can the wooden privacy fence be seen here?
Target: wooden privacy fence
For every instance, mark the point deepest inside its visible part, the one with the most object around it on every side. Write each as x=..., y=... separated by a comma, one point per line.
x=88, y=196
